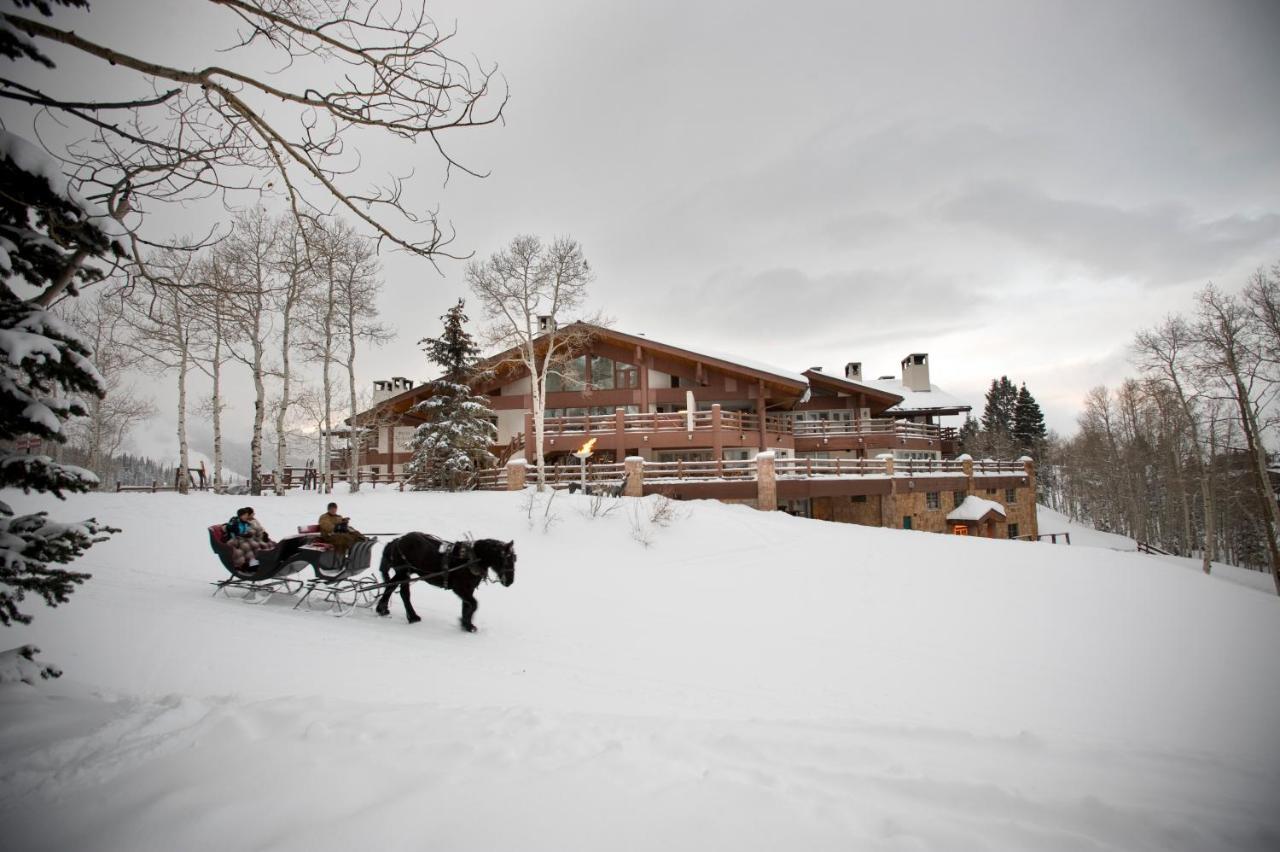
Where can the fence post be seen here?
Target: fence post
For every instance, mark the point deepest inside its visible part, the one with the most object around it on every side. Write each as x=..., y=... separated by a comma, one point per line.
x=766, y=482
x=517, y=471
x=634, y=467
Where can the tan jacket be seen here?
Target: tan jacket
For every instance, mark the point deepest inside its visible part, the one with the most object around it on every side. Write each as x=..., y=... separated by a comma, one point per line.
x=328, y=523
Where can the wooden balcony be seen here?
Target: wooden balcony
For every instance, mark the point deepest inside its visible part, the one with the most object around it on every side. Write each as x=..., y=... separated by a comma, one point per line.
x=620, y=432
x=717, y=429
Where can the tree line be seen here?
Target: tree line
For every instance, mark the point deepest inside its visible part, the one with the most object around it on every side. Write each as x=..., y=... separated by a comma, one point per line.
x=1177, y=455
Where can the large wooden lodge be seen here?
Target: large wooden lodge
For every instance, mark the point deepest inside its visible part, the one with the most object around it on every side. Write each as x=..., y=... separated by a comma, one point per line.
x=693, y=424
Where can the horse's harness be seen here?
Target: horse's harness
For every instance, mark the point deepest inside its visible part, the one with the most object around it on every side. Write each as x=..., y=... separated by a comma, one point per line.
x=464, y=551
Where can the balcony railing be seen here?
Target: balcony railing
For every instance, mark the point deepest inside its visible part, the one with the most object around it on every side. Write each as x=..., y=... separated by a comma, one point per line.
x=746, y=421
x=613, y=473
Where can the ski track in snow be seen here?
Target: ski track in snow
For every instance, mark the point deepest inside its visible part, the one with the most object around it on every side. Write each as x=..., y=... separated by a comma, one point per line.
x=910, y=692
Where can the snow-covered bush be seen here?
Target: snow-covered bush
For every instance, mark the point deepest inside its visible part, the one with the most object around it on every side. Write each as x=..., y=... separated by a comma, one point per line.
x=20, y=665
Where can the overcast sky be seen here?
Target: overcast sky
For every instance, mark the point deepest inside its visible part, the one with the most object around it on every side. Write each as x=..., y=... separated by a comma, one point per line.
x=1014, y=188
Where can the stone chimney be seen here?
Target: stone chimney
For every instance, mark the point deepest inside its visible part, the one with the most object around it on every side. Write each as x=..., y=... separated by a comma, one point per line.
x=915, y=371
x=853, y=371
x=387, y=388
x=546, y=323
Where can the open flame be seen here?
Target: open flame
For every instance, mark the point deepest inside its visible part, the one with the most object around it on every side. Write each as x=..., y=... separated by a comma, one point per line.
x=585, y=449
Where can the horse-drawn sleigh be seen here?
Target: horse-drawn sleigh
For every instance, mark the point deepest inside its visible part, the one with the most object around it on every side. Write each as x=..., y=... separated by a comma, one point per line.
x=339, y=582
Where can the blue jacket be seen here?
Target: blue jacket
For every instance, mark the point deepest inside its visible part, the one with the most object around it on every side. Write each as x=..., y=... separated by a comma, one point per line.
x=237, y=528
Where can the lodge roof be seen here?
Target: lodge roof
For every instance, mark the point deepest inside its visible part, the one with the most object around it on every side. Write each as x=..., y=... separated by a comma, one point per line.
x=900, y=399
x=836, y=383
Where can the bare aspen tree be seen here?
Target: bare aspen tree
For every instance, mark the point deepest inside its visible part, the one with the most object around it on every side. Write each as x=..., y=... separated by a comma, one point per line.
x=157, y=305
x=210, y=300
x=102, y=432
x=227, y=130
x=294, y=264
x=356, y=295
x=320, y=318
x=524, y=290
x=1229, y=349
x=248, y=256
x=1165, y=356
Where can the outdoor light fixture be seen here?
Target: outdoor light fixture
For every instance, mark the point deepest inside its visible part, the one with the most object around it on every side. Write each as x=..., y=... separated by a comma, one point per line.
x=583, y=453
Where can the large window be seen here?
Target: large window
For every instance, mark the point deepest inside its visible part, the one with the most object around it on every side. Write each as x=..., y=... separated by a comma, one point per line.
x=933, y=500
x=568, y=376
x=626, y=376
x=600, y=372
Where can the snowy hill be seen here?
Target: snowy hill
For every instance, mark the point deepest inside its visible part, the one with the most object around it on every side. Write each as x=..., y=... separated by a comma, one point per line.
x=746, y=681
x=1083, y=536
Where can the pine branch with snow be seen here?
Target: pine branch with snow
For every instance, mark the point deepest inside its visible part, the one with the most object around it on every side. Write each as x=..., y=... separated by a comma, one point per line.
x=19, y=665
x=47, y=237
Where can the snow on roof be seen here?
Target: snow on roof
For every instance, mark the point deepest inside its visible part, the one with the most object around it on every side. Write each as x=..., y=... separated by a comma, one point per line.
x=758, y=366
x=974, y=509
x=912, y=400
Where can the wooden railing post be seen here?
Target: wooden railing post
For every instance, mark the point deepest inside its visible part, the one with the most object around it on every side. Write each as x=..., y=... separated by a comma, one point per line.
x=717, y=441
x=619, y=431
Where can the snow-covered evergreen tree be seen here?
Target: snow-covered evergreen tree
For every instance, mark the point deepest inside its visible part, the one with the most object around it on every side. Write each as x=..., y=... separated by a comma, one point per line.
x=47, y=235
x=454, y=441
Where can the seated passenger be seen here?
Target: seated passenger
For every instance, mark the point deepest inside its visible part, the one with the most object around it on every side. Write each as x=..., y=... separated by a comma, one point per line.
x=337, y=530
x=246, y=538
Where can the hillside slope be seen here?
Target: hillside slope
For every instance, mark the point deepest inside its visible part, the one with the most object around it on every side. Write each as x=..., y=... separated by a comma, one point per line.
x=747, y=680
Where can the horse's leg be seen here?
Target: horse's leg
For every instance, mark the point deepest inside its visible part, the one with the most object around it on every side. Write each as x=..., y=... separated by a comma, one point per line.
x=404, y=596
x=383, y=602
x=469, y=607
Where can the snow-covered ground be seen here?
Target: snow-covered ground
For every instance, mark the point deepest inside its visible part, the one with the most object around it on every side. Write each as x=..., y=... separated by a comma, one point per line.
x=746, y=680
x=1053, y=522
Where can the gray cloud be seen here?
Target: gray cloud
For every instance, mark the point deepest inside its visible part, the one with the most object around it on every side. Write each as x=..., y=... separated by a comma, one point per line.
x=1158, y=244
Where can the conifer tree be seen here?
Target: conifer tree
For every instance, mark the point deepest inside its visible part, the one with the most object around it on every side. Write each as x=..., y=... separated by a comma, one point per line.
x=454, y=441
x=47, y=235
x=997, y=415
x=1028, y=422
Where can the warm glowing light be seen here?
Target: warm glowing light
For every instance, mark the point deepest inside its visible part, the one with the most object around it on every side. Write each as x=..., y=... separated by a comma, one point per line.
x=585, y=449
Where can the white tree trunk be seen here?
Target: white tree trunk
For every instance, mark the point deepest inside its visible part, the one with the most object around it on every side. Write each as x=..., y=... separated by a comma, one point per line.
x=282, y=413
x=184, y=456
x=216, y=399
x=353, y=460
x=259, y=417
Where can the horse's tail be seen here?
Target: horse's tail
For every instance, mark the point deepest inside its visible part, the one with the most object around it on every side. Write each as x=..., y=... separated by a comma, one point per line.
x=390, y=554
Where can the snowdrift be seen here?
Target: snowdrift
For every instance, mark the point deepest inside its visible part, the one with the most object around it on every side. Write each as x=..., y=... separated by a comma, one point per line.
x=724, y=679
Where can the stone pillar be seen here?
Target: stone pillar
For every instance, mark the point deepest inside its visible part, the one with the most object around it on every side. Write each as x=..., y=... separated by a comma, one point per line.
x=966, y=465
x=517, y=470
x=889, y=502
x=634, y=467
x=1029, y=467
x=766, y=483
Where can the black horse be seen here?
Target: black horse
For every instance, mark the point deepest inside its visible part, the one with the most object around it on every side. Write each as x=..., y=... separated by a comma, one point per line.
x=460, y=566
